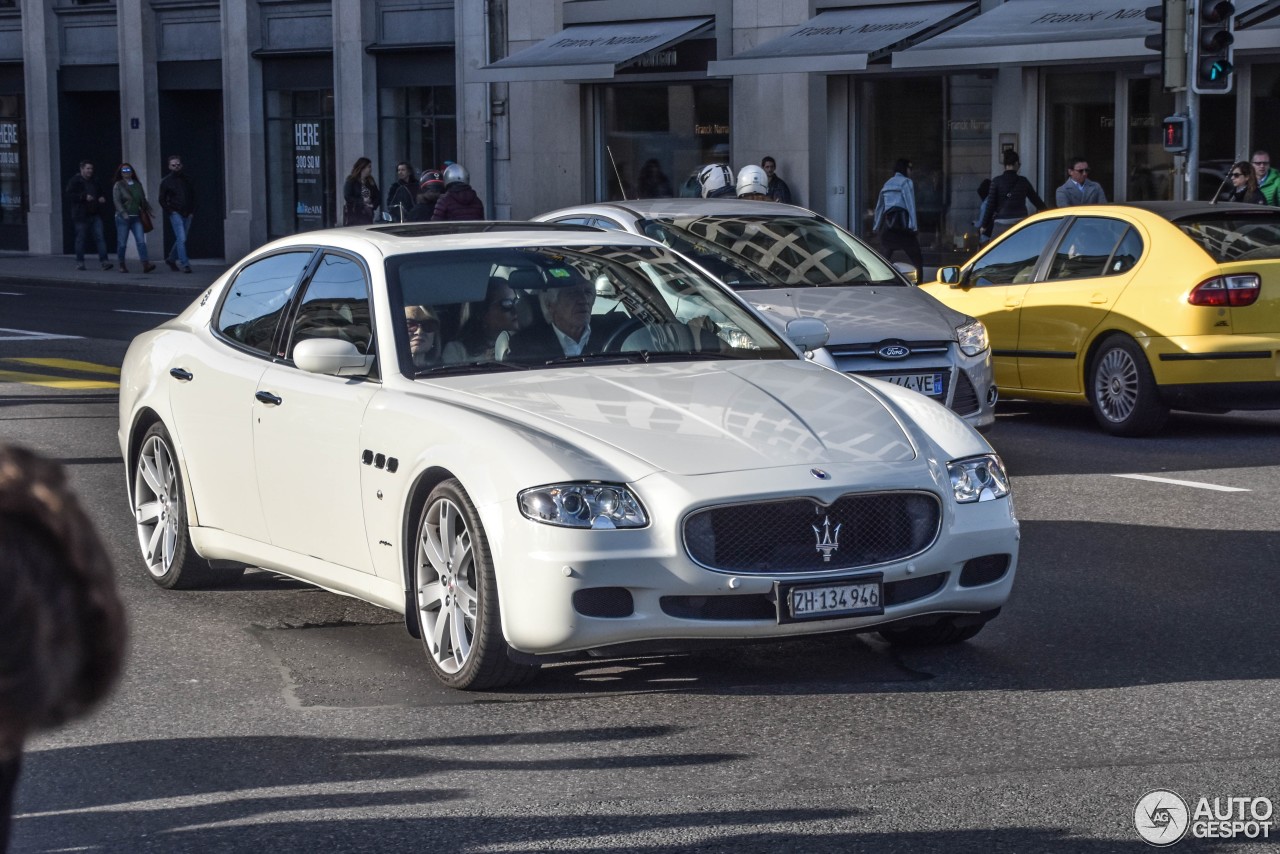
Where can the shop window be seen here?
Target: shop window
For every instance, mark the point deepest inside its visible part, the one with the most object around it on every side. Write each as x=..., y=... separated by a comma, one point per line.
x=300, y=161
x=418, y=124
x=1081, y=116
x=655, y=136
x=1150, y=168
x=13, y=166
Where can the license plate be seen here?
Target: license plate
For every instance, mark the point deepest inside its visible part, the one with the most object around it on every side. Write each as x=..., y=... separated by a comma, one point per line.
x=833, y=599
x=930, y=384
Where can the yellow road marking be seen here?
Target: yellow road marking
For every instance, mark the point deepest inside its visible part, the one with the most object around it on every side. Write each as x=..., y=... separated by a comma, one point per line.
x=53, y=382
x=67, y=365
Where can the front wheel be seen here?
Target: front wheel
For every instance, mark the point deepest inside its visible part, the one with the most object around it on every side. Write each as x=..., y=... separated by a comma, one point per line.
x=1122, y=389
x=160, y=513
x=457, y=596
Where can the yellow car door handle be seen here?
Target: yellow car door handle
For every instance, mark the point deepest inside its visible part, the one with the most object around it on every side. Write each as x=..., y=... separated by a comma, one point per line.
x=1012, y=303
x=1098, y=299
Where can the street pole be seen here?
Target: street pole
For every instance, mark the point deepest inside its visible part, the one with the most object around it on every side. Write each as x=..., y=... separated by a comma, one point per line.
x=1190, y=180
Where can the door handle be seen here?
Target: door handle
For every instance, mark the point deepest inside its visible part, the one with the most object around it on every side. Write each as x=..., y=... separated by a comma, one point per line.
x=1012, y=303
x=1098, y=299
x=268, y=397
x=181, y=374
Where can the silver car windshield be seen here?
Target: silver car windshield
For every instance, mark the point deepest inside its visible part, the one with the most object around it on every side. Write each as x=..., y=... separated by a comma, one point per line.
x=753, y=252
x=520, y=308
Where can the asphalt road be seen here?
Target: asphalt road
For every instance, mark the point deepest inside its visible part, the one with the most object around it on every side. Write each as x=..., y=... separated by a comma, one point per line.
x=1138, y=652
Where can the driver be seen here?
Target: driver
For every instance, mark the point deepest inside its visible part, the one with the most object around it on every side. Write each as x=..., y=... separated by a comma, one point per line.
x=567, y=331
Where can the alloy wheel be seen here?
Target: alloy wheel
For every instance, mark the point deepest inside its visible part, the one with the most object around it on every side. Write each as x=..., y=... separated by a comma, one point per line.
x=157, y=505
x=1116, y=385
x=446, y=584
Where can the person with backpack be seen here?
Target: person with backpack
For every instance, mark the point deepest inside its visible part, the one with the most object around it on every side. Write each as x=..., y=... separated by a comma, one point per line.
x=895, y=218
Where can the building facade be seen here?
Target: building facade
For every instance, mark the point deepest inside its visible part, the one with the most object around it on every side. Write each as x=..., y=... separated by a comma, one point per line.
x=557, y=102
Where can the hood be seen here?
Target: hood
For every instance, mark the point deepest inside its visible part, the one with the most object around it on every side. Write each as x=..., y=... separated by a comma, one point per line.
x=862, y=314
x=704, y=417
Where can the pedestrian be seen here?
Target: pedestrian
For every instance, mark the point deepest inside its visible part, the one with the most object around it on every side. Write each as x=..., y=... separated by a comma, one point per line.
x=430, y=188
x=895, y=218
x=459, y=201
x=1007, y=199
x=87, y=203
x=778, y=189
x=361, y=197
x=653, y=182
x=178, y=200
x=400, y=200
x=1268, y=178
x=1244, y=185
x=1078, y=189
x=63, y=637
x=132, y=208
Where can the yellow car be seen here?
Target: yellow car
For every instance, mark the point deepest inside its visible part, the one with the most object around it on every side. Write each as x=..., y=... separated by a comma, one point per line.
x=1132, y=309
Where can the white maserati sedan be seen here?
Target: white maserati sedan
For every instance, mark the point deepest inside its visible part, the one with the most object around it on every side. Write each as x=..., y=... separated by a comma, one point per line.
x=790, y=262
x=538, y=441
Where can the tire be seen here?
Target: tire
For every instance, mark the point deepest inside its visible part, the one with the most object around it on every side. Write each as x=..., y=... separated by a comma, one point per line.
x=944, y=633
x=1123, y=391
x=457, y=596
x=160, y=513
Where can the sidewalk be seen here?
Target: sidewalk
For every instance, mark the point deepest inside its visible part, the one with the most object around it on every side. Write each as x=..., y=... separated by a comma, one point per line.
x=19, y=268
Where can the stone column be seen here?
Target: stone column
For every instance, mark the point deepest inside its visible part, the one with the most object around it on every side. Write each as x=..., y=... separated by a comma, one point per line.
x=244, y=146
x=355, y=93
x=40, y=79
x=139, y=96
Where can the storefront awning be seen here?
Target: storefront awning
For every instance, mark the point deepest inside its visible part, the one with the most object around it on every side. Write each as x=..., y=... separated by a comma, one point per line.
x=839, y=40
x=1258, y=27
x=1039, y=31
x=589, y=51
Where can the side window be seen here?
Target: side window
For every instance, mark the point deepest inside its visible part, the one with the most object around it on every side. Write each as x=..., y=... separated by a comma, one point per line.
x=1014, y=261
x=575, y=220
x=1126, y=255
x=602, y=222
x=334, y=305
x=259, y=295
x=1085, y=251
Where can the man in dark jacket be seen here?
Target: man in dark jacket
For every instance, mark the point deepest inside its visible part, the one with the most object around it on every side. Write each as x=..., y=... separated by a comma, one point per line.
x=86, y=205
x=1007, y=198
x=178, y=200
x=459, y=201
x=400, y=200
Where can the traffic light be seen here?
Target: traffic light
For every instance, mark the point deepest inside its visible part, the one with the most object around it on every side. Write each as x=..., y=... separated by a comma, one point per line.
x=1174, y=134
x=1170, y=44
x=1211, y=51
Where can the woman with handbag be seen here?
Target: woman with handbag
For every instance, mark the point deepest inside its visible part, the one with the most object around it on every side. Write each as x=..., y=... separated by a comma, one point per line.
x=361, y=197
x=131, y=208
x=896, y=217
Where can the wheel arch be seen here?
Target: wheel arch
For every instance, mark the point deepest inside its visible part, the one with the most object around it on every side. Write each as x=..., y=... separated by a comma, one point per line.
x=427, y=480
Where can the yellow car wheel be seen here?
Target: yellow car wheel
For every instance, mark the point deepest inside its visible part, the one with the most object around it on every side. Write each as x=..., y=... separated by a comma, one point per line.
x=1123, y=391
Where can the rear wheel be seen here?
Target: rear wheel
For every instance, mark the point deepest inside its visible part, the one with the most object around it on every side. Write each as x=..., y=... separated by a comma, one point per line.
x=1123, y=391
x=457, y=596
x=944, y=633
x=160, y=513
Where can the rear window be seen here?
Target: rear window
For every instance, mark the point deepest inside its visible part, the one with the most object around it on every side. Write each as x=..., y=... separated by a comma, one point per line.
x=1234, y=237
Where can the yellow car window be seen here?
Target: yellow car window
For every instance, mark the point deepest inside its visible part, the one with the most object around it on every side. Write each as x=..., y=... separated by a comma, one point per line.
x=1085, y=251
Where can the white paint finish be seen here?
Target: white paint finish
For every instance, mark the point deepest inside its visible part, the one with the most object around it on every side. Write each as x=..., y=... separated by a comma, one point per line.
x=1175, y=482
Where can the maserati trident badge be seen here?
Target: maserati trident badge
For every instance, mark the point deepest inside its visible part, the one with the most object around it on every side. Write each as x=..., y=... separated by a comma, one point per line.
x=828, y=540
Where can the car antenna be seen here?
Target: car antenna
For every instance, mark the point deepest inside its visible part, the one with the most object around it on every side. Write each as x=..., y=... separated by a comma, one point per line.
x=622, y=188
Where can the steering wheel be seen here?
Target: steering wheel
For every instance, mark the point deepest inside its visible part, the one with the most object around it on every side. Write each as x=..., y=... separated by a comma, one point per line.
x=619, y=336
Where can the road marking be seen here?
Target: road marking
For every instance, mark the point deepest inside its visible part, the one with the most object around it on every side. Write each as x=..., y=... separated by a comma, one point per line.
x=67, y=365
x=24, y=335
x=137, y=311
x=11, y=294
x=49, y=381
x=1192, y=483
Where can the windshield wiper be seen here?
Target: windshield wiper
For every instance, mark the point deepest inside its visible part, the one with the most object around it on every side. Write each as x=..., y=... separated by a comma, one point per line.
x=471, y=368
x=597, y=358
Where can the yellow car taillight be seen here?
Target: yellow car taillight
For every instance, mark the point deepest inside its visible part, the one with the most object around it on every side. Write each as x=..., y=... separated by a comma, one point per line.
x=1236, y=290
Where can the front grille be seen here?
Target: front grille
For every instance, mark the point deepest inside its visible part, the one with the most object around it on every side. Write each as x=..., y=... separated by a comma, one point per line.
x=801, y=535
x=911, y=589
x=965, y=400
x=871, y=348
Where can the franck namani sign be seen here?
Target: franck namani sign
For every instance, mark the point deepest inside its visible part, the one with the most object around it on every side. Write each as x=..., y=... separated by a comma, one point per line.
x=590, y=50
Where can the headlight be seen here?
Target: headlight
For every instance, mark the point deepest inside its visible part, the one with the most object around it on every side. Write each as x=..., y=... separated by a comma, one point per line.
x=972, y=337
x=583, y=505
x=978, y=479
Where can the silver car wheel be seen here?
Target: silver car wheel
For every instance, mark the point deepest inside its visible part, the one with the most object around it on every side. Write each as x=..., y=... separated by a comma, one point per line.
x=1116, y=385
x=157, y=505
x=446, y=582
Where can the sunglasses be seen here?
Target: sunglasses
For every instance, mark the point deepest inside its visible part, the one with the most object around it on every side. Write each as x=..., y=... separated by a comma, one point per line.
x=126, y=171
x=1084, y=171
x=507, y=304
x=1237, y=175
x=1262, y=163
x=425, y=326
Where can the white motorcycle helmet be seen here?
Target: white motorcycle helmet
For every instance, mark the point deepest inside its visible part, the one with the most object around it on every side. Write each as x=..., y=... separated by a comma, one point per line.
x=752, y=179
x=715, y=179
x=454, y=173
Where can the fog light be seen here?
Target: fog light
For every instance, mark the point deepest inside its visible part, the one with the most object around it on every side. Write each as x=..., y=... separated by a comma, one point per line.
x=993, y=394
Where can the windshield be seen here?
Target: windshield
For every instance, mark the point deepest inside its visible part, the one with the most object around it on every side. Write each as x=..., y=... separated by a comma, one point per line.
x=514, y=309
x=1235, y=237
x=753, y=252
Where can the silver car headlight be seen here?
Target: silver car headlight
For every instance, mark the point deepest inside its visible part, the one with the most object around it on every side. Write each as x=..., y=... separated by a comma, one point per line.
x=583, y=505
x=973, y=337
x=978, y=479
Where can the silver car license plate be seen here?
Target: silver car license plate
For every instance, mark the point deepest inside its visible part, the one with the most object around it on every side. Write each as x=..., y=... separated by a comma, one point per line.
x=845, y=598
x=928, y=384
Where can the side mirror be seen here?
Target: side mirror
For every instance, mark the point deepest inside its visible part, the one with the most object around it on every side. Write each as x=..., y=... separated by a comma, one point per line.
x=908, y=271
x=332, y=356
x=807, y=333
x=949, y=276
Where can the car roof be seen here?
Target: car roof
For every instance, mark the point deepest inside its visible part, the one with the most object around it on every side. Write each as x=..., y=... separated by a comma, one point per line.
x=401, y=239
x=1174, y=211
x=651, y=208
